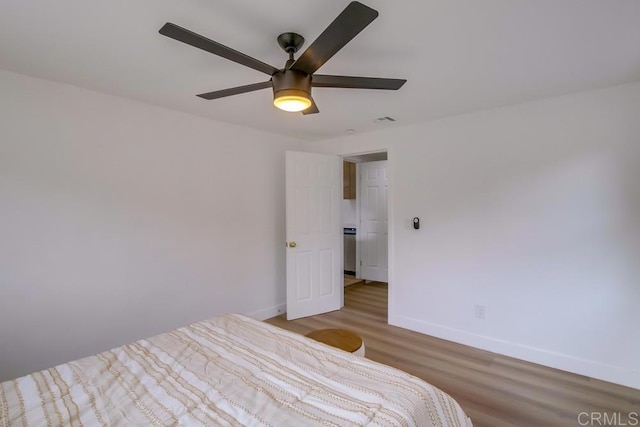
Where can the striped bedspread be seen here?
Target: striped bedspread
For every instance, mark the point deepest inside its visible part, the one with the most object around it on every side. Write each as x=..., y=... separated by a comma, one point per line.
x=231, y=370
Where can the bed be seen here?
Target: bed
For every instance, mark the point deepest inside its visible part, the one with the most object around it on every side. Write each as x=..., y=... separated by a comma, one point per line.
x=231, y=370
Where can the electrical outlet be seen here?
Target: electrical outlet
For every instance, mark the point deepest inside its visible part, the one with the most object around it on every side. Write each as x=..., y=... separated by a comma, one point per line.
x=480, y=312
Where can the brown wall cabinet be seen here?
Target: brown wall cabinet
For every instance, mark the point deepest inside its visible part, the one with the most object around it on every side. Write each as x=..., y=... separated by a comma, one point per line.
x=349, y=183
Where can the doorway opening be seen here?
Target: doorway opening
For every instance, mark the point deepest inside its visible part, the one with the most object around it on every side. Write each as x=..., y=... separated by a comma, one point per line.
x=365, y=218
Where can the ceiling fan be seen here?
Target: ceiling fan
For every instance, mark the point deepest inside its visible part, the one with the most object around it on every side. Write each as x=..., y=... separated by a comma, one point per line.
x=292, y=84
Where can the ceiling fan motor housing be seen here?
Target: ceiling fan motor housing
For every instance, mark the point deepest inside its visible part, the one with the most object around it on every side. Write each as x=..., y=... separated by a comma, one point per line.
x=291, y=83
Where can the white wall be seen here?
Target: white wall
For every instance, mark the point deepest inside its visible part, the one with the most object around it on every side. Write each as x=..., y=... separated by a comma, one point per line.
x=532, y=211
x=349, y=213
x=120, y=220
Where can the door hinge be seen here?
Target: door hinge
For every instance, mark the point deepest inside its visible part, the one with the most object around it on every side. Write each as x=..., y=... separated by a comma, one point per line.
x=360, y=263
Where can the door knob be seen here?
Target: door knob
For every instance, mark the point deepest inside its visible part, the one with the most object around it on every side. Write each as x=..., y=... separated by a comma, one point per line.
x=292, y=244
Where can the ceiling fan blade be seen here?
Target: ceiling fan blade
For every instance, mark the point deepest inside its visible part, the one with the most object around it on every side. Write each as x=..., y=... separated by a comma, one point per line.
x=185, y=36
x=353, y=82
x=353, y=19
x=311, y=110
x=235, y=90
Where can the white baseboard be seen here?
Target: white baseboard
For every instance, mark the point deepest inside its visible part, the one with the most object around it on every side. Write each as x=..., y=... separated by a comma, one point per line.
x=268, y=313
x=590, y=368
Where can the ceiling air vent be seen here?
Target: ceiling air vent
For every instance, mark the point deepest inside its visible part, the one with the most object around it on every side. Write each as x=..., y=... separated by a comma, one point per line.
x=384, y=119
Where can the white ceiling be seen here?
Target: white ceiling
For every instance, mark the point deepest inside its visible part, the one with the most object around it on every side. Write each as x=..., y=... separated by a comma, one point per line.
x=458, y=55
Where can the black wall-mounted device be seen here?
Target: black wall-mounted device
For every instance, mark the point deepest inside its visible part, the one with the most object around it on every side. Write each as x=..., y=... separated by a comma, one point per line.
x=416, y=223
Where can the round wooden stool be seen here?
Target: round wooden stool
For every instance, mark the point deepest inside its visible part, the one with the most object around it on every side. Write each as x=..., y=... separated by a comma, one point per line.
x=339, y=338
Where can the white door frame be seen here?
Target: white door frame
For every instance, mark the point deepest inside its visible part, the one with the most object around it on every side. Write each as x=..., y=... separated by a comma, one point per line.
x=390, y=213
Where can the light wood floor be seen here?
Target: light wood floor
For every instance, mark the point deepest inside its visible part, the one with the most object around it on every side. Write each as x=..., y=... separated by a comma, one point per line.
x=493, y=390
x=351, y=280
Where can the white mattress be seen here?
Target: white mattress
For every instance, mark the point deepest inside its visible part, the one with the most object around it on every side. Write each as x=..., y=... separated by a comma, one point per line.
x=231, y=370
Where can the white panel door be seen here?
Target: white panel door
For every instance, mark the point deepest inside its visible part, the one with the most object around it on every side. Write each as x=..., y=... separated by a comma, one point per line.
x=314, y=234
x=374, y=223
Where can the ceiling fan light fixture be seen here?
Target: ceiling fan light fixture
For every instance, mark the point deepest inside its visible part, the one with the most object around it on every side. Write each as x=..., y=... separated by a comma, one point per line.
x=292, y=100
x=291, y=90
